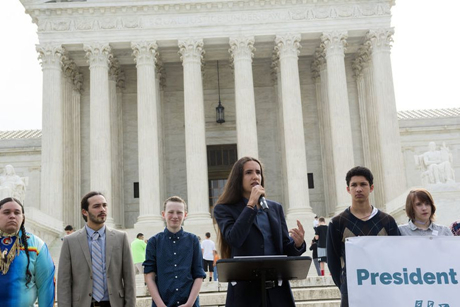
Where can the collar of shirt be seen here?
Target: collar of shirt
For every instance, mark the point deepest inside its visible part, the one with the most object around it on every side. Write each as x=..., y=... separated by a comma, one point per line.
x=414, y=227
x=174, y=236
x=90, y=232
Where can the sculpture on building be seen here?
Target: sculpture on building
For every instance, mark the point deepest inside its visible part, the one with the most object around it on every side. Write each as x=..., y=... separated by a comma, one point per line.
x=436, y=165
x=11, y=185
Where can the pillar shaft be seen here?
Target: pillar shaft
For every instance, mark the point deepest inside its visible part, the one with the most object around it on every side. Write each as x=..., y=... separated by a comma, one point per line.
x=320, y=76
x=287, y=47
x=339, y=113
x=241, y=50
x=387, y=124
x=52, y=174
x=195, y=139
x=149, y=170
x=117, y=185
x=98, y=56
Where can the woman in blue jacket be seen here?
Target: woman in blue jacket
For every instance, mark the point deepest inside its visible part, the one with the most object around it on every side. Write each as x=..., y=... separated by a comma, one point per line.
x=245, y=229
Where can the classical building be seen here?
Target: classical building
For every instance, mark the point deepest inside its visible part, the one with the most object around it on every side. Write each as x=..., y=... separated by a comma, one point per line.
x=130, y=90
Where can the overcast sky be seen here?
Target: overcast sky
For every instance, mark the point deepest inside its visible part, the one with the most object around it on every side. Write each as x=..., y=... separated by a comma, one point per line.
x=425, y=60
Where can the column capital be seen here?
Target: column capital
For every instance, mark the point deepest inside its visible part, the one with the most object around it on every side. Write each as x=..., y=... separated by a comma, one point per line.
x=380, y=39
x=287, y=45
x=69, y=67
x=114, y=69
x=160, y=73
x=145, y=53
x=98, y=54
x=72, y=72
x=361, y=61
x=334, y=43
x=275, y=67
x=242, y=48
x=191, y=50
x=318, y=63
x=50, y=55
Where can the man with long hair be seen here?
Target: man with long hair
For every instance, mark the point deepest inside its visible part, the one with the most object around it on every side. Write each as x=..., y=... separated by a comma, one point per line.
x=245, y=229
x=26, y=267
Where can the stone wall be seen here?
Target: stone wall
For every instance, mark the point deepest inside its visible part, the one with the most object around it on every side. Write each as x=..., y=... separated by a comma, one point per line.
x=24, y=154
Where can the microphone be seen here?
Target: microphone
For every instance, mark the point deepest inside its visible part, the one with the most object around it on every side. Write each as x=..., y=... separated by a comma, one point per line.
x=263, y=203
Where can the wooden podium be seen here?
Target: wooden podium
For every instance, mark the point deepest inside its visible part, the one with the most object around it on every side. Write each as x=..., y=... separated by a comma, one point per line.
x=263, y=269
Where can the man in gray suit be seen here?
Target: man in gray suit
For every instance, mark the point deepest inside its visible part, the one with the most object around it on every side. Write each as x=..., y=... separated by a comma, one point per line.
x=95, y=266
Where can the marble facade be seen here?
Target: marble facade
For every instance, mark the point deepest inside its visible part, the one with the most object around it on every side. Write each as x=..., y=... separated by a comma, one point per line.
x=130, y=90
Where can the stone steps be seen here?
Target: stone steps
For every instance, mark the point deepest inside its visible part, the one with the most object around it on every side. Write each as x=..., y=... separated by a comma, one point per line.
x=313, y=291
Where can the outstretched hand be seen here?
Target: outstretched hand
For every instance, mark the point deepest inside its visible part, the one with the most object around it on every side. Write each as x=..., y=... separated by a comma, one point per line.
x=297, y=234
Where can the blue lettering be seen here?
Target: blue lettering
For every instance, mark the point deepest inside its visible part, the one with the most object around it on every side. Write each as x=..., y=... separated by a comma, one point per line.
x=442, y=274
x=362, y=275
x=406, y=280
x=429, y=278
x=374, y=277
x=452, y=274
x=397, y=278
x=385, y=278
x=416, y=278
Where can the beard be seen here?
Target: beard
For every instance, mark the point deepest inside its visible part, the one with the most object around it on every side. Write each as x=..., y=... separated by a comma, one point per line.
x=95, y=219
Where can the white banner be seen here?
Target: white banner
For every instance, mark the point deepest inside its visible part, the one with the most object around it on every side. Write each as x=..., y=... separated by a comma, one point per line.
x=403, y=271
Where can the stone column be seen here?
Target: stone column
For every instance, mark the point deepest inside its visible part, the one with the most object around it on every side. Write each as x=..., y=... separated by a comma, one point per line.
x=68, y=201
x=334, y=44
x=242, y=51
x=52, y=152
x=276, y=77
x=160, y=78
x=99, y=55
x=287, y=48
x=149, y=170
x=120, y=85
x=76, y=99
x=361, y=68
x=319, y=71
x=68, y=189
x=358, y=64
x=117, y=186
x=385, y=106
x=191, y=52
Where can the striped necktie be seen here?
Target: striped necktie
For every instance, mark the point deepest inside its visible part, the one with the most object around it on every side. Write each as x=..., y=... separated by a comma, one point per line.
x=98, y=273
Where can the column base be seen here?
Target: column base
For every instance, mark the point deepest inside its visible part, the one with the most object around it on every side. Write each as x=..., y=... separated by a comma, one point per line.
x=149, y=220
x=299, y=213
x=340, y=208
x=199, y=225
x=110, y=222
x=149, y=225
x=198, y=218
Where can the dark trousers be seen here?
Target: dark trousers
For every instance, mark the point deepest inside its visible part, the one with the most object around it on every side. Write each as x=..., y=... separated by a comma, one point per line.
x=344, y=296
x=100, y=304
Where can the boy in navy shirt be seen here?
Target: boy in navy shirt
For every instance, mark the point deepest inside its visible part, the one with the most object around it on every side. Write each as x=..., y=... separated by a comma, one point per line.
x=173, y=267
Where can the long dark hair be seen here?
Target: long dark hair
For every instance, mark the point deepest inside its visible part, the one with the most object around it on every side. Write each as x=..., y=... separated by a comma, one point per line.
x=23, y=239
x=233, y=193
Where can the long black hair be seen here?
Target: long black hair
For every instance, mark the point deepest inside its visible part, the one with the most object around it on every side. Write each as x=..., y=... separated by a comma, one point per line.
x=23, y=239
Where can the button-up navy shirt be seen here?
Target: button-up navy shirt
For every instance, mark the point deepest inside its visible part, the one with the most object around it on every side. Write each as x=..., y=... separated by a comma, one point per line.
x=264, y=225
x=176, y=260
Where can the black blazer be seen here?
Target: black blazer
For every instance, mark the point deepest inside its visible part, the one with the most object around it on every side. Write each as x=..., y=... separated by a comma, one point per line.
x=238, y=227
